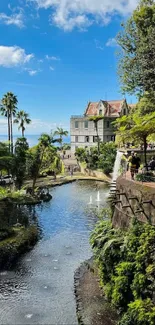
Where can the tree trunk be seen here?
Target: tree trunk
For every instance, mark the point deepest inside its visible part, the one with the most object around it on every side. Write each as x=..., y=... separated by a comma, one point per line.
x=145, y=152
x=11, y=132
x=61, y=142
x=22, y=132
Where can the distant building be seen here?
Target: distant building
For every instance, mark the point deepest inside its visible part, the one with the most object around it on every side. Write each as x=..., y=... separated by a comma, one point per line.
x=82, y=130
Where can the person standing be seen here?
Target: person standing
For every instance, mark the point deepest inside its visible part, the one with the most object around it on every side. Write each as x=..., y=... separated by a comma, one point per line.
x=137, y=163
x=152, y=163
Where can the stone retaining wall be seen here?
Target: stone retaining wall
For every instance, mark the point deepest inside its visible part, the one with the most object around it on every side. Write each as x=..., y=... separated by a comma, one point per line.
x=136, y=199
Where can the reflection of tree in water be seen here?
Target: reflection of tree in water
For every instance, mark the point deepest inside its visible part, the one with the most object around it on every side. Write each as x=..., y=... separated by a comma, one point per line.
x=96, y=185
x=12, y=213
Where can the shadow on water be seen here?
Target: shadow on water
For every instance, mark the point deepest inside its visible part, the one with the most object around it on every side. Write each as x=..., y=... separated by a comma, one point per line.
x=40, y=289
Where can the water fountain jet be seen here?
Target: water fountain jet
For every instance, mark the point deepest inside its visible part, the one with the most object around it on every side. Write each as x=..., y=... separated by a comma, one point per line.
x=91, y=201
x=98, y=197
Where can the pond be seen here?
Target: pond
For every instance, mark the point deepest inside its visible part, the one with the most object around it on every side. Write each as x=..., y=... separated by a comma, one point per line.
x=40, y=288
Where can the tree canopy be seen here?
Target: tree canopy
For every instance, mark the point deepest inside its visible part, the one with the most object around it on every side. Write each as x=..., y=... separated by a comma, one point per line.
x=137, y=56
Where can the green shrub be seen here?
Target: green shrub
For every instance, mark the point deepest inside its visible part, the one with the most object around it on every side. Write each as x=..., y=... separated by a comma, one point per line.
x=127, y=269
x=140, y=312
x=145, y=177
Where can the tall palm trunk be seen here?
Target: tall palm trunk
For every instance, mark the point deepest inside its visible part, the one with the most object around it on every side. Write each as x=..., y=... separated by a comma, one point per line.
x=61, y=142
x=11, y=132
x=22, y=131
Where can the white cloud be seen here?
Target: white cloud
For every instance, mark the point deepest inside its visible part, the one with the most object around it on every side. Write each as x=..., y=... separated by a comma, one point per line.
x=51, y=68
x=31, y=72
x=52, y=58
x=68, y=14
x=12, y=56
x=99, y=45
x=111, y=42
x=16, y=19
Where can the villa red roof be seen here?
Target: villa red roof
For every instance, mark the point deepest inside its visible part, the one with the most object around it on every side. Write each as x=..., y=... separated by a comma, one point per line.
x=113, y=108
x=92, y=108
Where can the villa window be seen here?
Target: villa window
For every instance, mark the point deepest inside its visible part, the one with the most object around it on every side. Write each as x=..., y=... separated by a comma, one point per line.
x=100, y=112
x=86, y=138
x=76, y=138
x=95, y=138
x=108, y=124
x=124, y=111
x=86, y=124
x=76, y=124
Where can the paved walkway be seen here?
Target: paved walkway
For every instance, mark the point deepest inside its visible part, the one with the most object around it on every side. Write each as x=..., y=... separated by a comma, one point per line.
x=70, y=162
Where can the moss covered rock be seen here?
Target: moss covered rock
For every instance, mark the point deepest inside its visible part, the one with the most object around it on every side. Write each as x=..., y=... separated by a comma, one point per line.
x=21, y=241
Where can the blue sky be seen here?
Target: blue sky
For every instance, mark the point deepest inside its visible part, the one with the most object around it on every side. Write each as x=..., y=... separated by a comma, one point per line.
x=56, y=55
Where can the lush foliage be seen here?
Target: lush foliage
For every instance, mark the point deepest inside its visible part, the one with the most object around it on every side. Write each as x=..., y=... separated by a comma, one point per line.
x=137, y=126
x=22, y=118
x=21, y=149
x=137, y=57
x=145, y=177
x=60, y=133
x=103, y=161
x=127, y=269
x=137, y=73
x=8, y=109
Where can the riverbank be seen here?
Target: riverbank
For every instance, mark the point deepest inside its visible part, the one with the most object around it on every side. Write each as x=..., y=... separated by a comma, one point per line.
x=92, y=307
x=20, y=241
x=61, y=180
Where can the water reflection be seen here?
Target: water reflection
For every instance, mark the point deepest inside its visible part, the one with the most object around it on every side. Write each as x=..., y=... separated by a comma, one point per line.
x=39, y=290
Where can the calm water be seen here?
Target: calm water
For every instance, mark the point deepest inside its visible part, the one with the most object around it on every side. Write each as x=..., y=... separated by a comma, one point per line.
x=40, y=289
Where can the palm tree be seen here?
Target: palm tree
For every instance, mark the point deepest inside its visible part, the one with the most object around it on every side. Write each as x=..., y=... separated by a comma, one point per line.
x=8, y=109
x=22, y=118
x=45, y=140
x=95, y=119
x=60, y=132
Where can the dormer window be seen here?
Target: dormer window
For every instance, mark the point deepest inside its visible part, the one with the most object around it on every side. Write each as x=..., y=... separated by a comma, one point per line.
x=100, y=111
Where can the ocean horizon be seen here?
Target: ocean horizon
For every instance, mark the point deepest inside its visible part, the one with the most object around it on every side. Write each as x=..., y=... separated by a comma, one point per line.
x=31, y=138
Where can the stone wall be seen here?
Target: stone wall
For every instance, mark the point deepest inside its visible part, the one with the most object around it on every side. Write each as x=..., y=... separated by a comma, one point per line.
x=133, y=199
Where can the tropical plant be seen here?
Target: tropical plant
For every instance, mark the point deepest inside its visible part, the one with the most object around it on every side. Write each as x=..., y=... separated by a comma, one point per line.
x=34, y=161
x=45, y=140
x=21, y=149
x=66, y=146
x=104, y=161
x=61, y=133
x=137, y=57
x=22, y=118
x=95, y=120
x=127, y=269
x=140, y=312
x=136, y=127
x=4, y=149
x=8, y=109
x=81, y=154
